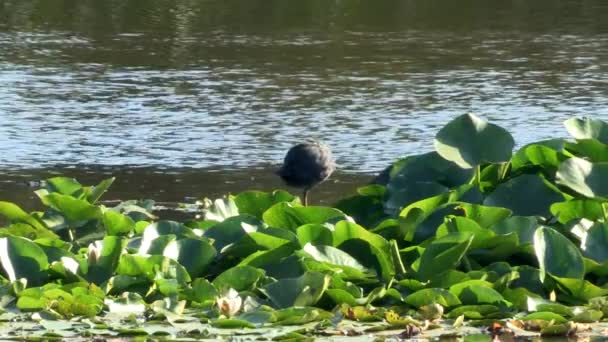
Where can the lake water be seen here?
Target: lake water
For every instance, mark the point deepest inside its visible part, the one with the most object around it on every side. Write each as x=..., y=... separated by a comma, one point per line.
x=193, y=89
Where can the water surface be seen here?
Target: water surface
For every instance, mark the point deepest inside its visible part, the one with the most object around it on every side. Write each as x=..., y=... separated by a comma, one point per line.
x=230, y=85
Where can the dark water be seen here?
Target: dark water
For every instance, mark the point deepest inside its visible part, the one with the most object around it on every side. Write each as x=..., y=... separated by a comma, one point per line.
x=223, y=86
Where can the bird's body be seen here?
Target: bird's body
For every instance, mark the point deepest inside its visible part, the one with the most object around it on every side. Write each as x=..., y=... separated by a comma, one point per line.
x=306, y=165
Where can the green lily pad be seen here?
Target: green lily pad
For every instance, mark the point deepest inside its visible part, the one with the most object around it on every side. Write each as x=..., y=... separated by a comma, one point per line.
x=194, y=254
x=443, y=254
x=525, y=195
x=523, y=226
x=231, y=323
x=73, y=209
x=541, y=155
x=469, y=141
x=104, y=256
x=589, y=149
x=117, y=223
x=586, y=128
x=432, y=296
x=557, y=255
x=595, y=244
x=255, y=203
x=545, y=316
x=474, y=292
x=232, y=230
x=152, y=267
x=576, y=209
x=240, y=278
x=317, y=234
x=64, y=185
x=427, y=167
x=302, y=291
x=15, y=214
x=287, y=216
x=22, y=258
x=584, y=177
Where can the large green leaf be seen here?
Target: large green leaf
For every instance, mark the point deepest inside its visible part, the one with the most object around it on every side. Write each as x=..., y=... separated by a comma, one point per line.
x=584, y=177
x=317, y=234
x=366, y=210
x=28, y=231
x=302, y=291
x=232, y=229
x=255, y=203
x=65, y=186
x=469, y=141
x=251, y=243
x=526, y=195
x=240, y=278
x=335, y=257
x=585, y=128
x=443, y=254
x=201, y=290
x=432, y=296
x=523, y=226
x=266, y=259
x=21, y=258
x=194, y=254
x=474, y=292
x=427, y=167
x=465, y=225
x=589, y=149
x=15, y=214
x=104, y=256
x=577, y=209
x=117, y=223
x=546, y=155
x=287, y=216
x=152, y=267
x=379, y=247
x=595, y=244
x=557, y=255
x=485, y=216
x=72, y=208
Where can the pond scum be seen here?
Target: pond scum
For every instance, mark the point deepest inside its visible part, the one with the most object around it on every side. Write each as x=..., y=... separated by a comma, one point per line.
x=469, y=239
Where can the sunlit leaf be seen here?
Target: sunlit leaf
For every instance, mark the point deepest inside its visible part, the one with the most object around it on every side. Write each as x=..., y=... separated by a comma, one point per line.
x=584, y=177
x=469, y=141
x=586, y=128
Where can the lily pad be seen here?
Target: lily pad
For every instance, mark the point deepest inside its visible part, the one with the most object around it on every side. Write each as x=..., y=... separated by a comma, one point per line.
x=584, y=177
x=586, y=128
x=21, y=258
x=526, y=195
x=469, y=141
x=302, y=291
x=557, y=255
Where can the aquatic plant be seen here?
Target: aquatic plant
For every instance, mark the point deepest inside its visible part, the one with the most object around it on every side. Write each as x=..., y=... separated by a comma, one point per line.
x=460, y=237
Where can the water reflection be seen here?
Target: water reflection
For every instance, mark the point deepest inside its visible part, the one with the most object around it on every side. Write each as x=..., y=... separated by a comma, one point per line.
x=232, y=84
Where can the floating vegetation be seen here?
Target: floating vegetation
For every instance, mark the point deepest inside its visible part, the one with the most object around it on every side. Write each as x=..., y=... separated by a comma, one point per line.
x=470, y=239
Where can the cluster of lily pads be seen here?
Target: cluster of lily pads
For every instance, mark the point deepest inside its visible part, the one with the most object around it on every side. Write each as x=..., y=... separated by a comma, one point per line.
x=469, y=234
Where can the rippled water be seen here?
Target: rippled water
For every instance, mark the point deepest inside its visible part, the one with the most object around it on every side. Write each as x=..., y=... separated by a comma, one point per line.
x=232, y=84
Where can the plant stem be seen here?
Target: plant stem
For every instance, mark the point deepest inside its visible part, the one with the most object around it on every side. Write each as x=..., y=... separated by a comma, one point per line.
x=399, y=268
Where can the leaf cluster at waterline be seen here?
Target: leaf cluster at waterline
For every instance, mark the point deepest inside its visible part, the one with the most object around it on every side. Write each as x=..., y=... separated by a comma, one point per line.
x=451, y=239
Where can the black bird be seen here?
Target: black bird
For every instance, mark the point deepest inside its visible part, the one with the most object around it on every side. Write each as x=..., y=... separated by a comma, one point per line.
x=306, y=165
